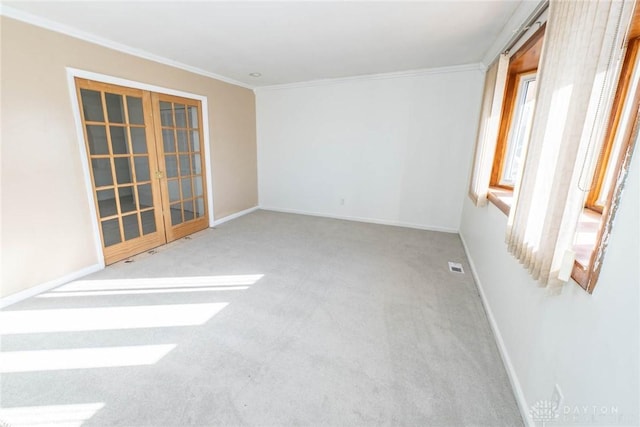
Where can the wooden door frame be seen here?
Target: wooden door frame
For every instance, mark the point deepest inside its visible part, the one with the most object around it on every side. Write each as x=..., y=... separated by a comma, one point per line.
x=72, y=73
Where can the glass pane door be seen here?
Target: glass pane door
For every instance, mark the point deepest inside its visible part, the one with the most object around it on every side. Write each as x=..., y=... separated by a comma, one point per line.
x=179, y=145
x=119, y=137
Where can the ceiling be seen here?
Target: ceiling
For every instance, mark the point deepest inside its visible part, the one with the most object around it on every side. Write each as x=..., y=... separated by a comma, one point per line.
x=290, y=42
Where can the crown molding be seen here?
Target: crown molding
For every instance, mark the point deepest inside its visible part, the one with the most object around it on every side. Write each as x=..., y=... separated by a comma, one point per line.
x=381, y=76
x=48, y=24
x=519, y=16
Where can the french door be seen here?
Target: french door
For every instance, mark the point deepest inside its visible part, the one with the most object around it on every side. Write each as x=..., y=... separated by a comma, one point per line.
x=179, y=133
x=147, y=166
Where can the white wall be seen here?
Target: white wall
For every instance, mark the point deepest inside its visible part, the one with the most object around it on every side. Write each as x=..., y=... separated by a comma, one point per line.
x=587, y=344
x=395, y=149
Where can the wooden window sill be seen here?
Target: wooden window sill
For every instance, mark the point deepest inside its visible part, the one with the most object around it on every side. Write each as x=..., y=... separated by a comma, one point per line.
x=501, y=198
x=586, y=234
x=586, y=239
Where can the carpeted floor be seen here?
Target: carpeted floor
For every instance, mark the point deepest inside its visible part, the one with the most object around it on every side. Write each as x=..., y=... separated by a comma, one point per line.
x=270, y=319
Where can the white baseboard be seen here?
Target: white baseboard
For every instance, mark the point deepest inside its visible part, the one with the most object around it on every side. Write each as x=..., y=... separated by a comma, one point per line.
x=235, y=215
x=361, y=219
x=502, y=348
x=38, y=289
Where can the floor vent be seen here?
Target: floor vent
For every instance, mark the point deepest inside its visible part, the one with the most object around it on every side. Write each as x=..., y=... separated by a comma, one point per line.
x=455, y=267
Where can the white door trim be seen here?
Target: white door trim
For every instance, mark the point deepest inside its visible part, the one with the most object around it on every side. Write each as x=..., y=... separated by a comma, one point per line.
x=75, y=106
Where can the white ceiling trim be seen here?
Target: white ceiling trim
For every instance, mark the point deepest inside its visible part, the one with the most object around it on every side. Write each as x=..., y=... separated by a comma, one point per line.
x=72, y=32
x=519, y=17
x=393, y=75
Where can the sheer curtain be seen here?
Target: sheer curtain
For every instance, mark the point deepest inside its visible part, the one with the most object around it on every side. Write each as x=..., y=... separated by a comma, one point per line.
x=578, y=71
x=492, y=99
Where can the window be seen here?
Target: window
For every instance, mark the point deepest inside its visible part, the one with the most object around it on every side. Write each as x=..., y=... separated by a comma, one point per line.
x=517, y=113
x=616, y=143
x=519, y=132
x=515, y=123
x=611, y=169
x=588, y=97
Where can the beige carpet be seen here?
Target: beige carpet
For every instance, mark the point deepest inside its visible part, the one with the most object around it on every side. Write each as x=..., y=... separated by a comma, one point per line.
x=270, y=319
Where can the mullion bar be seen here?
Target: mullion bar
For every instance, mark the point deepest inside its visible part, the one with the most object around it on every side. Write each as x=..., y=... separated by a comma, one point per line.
x=105, y=187
x=95, y=123
x=106, y=218
x=175, y=140
x=113, y=165
x=201, y=155
x=191, y=152
x=109, y=187
x=132, y=163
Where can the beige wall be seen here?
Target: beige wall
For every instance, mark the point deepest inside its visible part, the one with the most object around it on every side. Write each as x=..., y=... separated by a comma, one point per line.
x=46, y=222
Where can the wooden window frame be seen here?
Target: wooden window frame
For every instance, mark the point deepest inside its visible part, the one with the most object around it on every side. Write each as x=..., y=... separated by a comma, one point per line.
x=587, y=275
x=587, y=270
x=616, y=116
x=524, y=61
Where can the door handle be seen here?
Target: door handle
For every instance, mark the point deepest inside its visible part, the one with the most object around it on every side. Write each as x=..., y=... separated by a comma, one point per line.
x=159, y=174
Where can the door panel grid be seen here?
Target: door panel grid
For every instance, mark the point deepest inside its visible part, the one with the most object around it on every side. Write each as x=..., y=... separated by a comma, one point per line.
x=179, y=131
x=128, y=170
